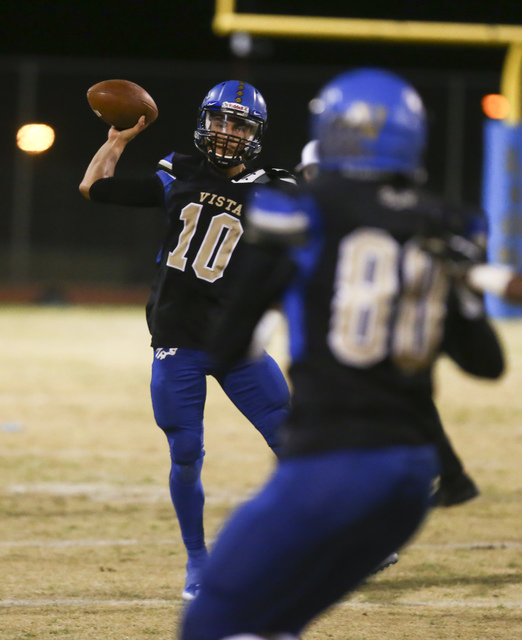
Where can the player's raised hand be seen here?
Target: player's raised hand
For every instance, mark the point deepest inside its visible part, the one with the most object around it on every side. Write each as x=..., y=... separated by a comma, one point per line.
x=105, y=159
x=126, y=135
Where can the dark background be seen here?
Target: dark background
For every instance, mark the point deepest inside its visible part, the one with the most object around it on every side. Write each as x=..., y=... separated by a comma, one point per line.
x=51, y=53
x=180, y=30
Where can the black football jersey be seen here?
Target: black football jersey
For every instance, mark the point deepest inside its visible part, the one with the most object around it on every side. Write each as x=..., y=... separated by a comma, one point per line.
x=368, y=310
x=205, y=213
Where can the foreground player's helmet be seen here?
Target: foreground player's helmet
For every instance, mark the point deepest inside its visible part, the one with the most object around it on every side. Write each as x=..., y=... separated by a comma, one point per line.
x=369, y=121
x=231, y=123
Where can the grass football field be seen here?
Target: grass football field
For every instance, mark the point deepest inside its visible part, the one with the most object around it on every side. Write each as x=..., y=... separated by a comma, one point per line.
x=89, y=544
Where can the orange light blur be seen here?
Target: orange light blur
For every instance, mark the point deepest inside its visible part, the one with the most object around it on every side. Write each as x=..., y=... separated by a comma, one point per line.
x=495, y=106
x=35, y=138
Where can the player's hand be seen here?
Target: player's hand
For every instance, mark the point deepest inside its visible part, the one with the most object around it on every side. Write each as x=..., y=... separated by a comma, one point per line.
x=457, y=253
x=126, y=135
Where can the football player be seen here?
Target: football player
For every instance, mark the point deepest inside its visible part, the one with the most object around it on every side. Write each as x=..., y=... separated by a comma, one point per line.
x=368, y=313
x=203, y=197
x=308, y=168
x=455, y=485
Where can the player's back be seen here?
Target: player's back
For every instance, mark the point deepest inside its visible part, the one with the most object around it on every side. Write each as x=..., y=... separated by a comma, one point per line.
x=366, y=315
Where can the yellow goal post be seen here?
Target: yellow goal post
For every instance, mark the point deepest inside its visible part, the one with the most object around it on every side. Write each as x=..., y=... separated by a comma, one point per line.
x=227, y=20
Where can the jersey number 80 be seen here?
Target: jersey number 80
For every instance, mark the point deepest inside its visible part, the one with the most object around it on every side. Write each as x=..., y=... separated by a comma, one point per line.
x=389, y=301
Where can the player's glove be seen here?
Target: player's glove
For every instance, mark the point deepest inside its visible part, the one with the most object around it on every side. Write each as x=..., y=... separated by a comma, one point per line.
x=456, y=252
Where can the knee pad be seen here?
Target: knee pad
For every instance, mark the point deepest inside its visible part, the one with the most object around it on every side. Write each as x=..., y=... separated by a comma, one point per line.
x=186, y=474
x=186, y=447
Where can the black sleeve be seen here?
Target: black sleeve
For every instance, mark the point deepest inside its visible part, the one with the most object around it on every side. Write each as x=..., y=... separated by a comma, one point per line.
x=472, y=342
x=132, y=192
x=265, y=271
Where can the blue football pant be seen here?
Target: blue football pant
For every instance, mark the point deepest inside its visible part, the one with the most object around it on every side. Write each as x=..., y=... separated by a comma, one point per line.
x=178, y=389
x=320, y=525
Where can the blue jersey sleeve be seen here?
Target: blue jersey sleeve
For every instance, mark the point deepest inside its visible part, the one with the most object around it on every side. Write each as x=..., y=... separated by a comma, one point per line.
x=164, y=173
x=277, y=216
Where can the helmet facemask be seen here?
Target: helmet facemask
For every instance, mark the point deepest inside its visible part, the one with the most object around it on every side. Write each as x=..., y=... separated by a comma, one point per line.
x=228, y=139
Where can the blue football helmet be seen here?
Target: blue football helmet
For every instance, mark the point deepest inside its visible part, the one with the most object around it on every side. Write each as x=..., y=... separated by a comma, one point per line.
x=369, y=121
x=231, y=123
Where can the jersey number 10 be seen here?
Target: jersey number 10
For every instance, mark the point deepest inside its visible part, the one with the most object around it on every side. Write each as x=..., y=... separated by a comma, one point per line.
x=218, y=244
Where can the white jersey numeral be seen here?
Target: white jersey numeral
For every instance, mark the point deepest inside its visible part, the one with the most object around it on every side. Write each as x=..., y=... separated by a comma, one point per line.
x=217, y=246
x=388, y=301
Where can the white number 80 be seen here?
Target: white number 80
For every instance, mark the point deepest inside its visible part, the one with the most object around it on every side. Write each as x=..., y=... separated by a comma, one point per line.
x=388, y=301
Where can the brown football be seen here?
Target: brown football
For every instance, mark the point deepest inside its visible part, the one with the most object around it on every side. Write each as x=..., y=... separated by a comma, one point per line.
x=121, y=103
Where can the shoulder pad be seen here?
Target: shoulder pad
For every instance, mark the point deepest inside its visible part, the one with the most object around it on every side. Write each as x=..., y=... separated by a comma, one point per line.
x=175, y=163
x=446, y=217
x=267, y=175
x=283, y=175
x=276, y=217
x=258, y=175
x=165, y=164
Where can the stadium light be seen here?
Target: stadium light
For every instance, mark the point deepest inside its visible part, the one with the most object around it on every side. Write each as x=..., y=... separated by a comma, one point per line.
x=32, y=139
x=495, y=106
x=35, y=138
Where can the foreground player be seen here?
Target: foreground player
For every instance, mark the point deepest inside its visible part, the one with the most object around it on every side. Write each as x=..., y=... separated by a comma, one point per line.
x=455, y=485
x=368, y=312
x=203, y=197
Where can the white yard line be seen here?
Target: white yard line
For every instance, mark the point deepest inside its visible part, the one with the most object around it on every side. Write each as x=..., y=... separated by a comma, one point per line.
x=440, y=604
x=101, y=491
x=82, y=543
x=471, y=546
x=83, y=602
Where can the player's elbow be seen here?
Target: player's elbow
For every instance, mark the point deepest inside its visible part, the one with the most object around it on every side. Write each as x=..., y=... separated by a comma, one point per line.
x=491, y=368
x=488, y=362
x=496, y=370
x=85, y=190
x=490, y=374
